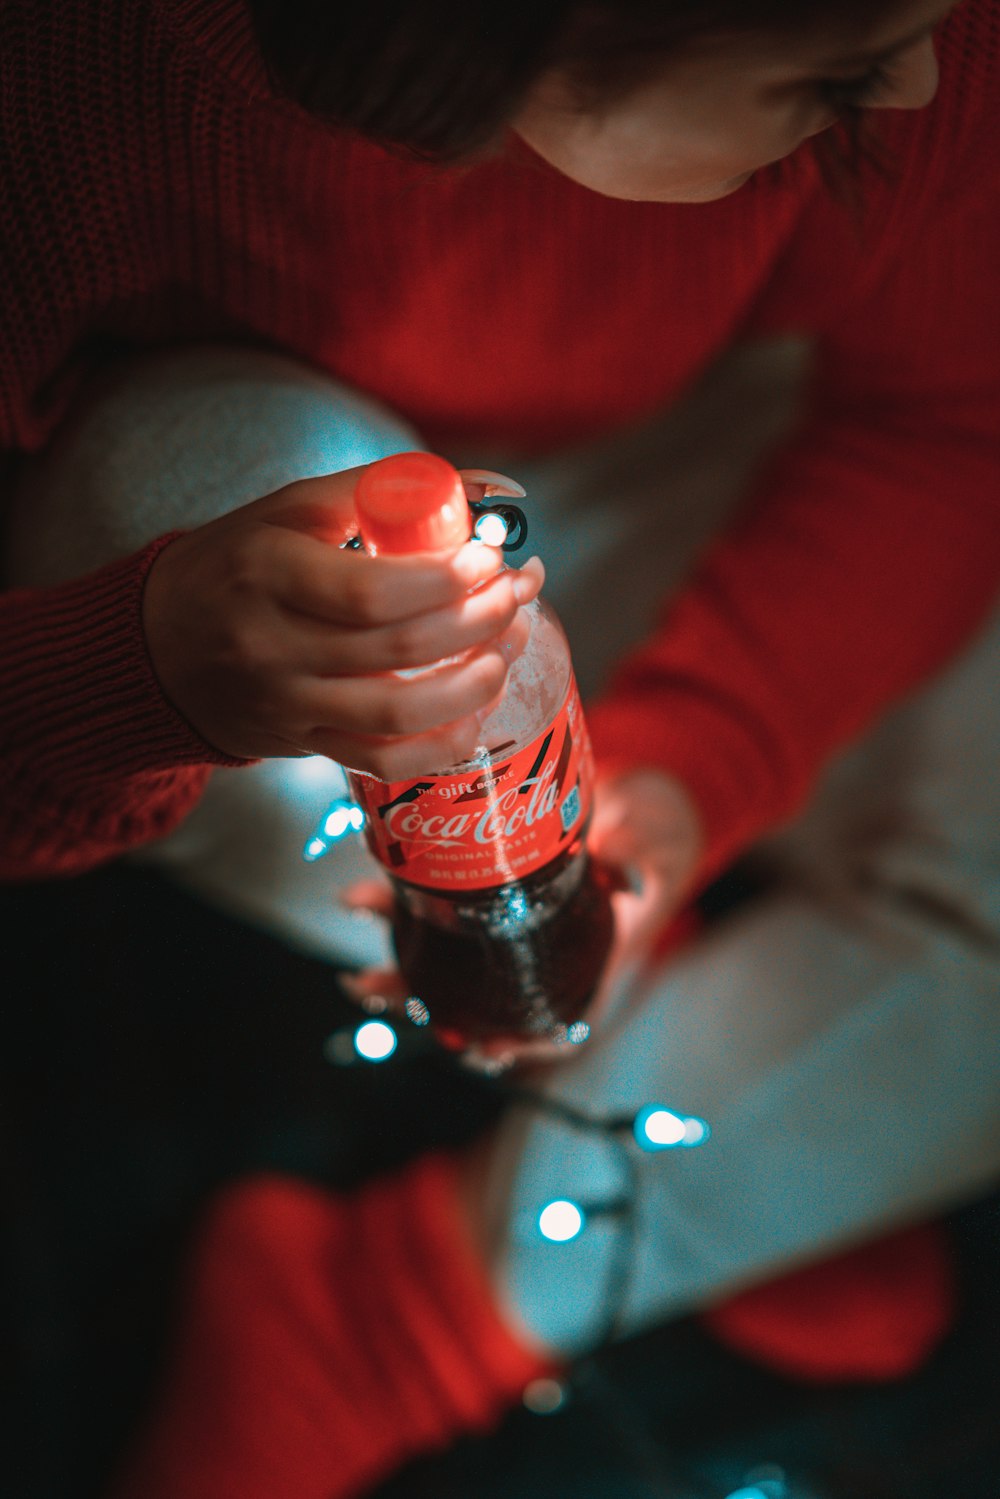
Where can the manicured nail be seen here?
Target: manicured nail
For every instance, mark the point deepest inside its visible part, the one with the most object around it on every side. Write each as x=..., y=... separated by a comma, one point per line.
x=495, y=483
x=528, y=580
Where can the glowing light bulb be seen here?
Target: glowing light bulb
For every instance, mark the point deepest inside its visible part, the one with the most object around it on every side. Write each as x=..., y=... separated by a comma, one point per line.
x=491, y=529
x=340, y=818
x=696, y=1132
x=335, y=824
x=560, y=1221
x=375, y=1040
x=751, y=1493
x=657, y=1128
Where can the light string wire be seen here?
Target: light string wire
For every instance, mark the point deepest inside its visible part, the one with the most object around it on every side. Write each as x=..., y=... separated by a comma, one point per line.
x=644, y=1456
x=586, y=1377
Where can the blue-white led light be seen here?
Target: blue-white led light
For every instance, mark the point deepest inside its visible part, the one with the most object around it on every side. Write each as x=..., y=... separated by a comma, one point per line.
x=375, y=1040
x=491, y=529
x=696, y=1132
x=657, y=1128
x=340, y=818
x=561, y=1221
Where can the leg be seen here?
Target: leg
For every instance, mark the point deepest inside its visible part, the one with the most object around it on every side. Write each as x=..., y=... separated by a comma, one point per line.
x=840, y=1037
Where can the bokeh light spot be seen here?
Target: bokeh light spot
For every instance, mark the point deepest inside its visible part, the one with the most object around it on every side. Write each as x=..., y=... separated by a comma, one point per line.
x=560, y=1221
x=375, y=1040
x=657, y=1128
x=543, y=1396
x=342, y=817
x=491, y=529
x=696, y=1132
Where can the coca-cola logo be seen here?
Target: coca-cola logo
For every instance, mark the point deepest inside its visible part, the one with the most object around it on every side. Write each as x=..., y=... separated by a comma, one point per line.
x=505, y=815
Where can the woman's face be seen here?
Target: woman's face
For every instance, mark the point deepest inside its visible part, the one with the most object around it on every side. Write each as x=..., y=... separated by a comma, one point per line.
x=724, y=106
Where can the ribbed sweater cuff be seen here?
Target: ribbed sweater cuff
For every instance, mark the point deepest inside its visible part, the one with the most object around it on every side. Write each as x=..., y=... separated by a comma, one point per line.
x=79, y=693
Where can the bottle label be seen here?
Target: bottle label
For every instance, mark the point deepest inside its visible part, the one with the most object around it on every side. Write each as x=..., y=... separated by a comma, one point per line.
x=486, y=826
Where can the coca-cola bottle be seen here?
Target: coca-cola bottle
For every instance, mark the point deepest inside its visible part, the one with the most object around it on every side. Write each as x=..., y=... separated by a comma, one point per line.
x=502, y=922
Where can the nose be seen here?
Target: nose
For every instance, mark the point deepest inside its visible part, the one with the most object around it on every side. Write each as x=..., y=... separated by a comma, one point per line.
x=914, y=78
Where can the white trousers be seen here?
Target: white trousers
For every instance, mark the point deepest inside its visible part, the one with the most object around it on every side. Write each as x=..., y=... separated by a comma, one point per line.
x=841, y=1035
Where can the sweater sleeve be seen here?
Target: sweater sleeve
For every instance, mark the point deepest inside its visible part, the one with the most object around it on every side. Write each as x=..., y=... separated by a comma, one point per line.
x=93, y=758
x=865, y=558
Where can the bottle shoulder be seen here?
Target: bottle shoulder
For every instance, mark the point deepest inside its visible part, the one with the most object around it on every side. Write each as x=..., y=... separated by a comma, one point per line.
x=537, y=683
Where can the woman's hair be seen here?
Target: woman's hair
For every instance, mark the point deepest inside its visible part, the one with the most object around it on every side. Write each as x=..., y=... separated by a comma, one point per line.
x=441, y=79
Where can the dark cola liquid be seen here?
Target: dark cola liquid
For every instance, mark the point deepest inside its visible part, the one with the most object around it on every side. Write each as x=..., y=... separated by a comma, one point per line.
x=514, y=962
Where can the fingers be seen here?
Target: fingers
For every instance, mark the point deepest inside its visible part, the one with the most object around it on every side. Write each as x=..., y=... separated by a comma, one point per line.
x=433, y=753
x=350, y=588
x=647, y=821
x=372, y=896
x=399, y=706
x=476, y=618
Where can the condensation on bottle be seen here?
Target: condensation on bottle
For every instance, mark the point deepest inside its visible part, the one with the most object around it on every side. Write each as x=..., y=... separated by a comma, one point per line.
x=502, y=921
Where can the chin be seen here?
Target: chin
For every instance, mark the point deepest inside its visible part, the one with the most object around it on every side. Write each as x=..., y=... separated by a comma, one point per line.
x=713, y=190
x=705, y=193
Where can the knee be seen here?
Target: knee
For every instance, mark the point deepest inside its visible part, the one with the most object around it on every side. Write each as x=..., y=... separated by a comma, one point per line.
x=171, y=440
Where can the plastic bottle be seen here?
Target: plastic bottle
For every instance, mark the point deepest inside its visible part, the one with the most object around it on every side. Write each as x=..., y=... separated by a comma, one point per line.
x=502, y=922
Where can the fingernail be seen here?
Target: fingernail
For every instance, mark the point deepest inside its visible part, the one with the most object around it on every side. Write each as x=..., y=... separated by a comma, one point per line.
x=495, y=483
x=526, y=580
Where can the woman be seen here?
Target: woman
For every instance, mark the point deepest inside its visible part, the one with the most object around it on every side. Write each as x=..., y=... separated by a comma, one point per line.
x=596, y=202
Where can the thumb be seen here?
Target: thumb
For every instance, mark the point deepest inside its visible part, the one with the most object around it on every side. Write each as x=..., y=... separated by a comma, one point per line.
x=322, y=506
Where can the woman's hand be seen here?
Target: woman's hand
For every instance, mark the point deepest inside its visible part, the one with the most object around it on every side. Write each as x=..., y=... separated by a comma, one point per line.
x=647, y=829
x=271, y=639
x=647, y=832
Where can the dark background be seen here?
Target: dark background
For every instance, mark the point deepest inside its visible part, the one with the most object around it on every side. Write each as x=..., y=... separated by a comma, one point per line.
x=154, y=1049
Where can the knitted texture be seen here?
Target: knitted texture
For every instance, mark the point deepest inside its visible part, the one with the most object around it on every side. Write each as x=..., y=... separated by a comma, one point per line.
x=326, y=1340
x=94, y=755
x=152, y=191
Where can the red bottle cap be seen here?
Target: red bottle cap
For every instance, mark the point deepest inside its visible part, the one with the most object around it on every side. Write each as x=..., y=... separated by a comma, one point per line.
x=412, y=502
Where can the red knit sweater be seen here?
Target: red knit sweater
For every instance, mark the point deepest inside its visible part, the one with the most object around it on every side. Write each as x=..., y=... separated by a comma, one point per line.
x=153, y=192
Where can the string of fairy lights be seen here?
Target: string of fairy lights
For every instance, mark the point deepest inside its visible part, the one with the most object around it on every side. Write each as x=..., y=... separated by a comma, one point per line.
x=652, y=1129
